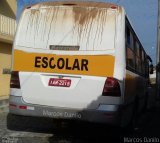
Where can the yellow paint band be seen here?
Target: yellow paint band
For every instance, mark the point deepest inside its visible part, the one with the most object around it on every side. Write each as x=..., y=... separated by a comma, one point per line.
x=93, y=65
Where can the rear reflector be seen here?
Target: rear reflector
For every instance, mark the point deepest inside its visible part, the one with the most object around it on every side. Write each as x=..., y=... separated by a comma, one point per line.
x=23, y=107
x=113, y=7
x=13, y=105
x=14, y=83
x=111, y=87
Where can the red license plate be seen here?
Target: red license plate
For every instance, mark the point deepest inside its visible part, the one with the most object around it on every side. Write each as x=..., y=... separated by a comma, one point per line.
x=59, y=82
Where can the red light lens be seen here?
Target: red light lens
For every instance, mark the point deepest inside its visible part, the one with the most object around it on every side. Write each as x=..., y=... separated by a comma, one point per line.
x=111, y=87
x=113, y=7
x=23, y=107
x=14, y=83
x=13, y=105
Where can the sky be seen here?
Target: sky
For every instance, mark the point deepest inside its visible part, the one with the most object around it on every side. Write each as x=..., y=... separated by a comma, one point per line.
x=142, y=14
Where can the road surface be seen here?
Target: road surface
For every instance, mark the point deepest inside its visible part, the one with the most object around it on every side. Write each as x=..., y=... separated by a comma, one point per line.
x=43, y=130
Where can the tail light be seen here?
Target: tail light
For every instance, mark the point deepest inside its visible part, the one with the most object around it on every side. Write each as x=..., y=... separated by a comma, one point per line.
x=111, y=87
x=14, y=83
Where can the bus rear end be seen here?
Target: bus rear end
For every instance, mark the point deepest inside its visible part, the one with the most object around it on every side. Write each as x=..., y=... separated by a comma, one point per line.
x=66, y=64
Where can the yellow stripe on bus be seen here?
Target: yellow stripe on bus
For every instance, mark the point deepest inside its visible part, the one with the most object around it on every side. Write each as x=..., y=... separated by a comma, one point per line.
x=93, y=65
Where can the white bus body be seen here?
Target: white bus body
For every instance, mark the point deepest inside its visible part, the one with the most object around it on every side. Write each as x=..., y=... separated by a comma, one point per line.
x=69, y=62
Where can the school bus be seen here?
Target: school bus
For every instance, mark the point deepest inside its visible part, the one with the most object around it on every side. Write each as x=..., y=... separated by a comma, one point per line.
x=78, y=61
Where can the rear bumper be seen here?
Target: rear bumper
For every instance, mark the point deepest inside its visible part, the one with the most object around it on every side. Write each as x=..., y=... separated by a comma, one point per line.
x=111, y=116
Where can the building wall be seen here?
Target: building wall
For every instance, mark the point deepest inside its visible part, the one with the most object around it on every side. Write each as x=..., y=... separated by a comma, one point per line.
x=7, y=30
x=5, y=63
x=8, y=8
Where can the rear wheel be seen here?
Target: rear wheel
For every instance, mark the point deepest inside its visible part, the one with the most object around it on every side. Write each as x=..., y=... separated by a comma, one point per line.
x=27, y=123
x=15, y=122
x=146, y=102
x=133, y=125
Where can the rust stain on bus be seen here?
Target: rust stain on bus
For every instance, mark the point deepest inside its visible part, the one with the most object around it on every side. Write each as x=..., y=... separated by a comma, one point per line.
x=84, y=12
x=87, y=16
x=83, y=16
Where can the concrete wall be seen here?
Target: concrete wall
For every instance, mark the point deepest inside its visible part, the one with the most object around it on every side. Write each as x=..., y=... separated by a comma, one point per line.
x=5, y=63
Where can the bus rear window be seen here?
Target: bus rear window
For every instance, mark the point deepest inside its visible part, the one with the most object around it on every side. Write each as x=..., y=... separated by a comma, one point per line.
x=90, y=29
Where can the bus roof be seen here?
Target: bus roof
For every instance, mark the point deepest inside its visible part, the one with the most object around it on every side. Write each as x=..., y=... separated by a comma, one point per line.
x=77, y=3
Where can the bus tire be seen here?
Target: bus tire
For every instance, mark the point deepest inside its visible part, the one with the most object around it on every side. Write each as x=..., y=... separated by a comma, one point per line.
x=146, y=102
x=133, y=125
x=15, y=122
